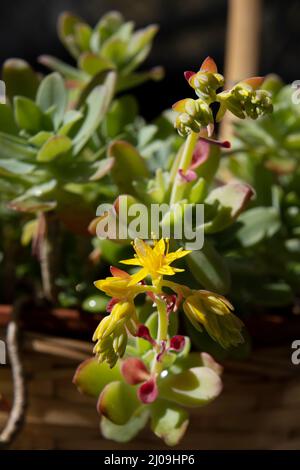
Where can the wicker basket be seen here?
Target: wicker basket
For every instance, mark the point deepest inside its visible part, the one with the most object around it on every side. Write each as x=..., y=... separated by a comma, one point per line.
x=258, y=409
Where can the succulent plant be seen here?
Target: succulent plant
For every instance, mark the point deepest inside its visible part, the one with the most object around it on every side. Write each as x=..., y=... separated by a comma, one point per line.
x=112, y=44
x=143, y=369
x=266, y=155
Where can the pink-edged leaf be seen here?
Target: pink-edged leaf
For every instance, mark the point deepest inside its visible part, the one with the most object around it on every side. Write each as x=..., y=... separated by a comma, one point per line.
x=200, y=154
x=254, y=82
x=233, y=195
x=177, y=343
x=209, y=65
x=188, y=175
x=208, y=361
x=148, y=391
x=194, y=387
x=179, y=106
x=134, y=371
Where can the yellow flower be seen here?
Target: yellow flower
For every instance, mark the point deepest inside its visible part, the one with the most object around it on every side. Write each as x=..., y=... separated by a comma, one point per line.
x=154, y=261
x=119, y=286
x=214, y=312
x=111, y=333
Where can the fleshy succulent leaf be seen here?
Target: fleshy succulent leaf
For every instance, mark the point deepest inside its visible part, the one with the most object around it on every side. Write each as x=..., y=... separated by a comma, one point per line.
x=91, y=377
x=118, y=402
x=192, y=388
x=168, y=421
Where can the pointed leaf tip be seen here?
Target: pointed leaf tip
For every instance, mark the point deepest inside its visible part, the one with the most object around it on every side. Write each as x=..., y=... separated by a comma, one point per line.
x=209, y=65
x=254, y=82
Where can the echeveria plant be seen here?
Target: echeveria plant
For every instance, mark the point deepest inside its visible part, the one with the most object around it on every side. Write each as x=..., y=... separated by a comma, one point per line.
x=158, y=377
x=151, y=367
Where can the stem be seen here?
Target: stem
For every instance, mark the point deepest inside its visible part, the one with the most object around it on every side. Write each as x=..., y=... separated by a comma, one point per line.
x=162, y=333
x=17, y=413
x=49, y=256
x=185, y=161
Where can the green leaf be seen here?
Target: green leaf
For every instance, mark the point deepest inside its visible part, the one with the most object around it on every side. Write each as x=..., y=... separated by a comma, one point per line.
x=231, y=200
x=7, y=121
x=140, y=39
x=92, y=63
x=209, y=168
x=209, y=268
x=114, y=50
x=52, y=94
x=98, y=102
x=125, y=432
x=83, y=34
x=112, y=400
x=131, y=80
x=28, y=115
x=31, y=205
x=14, y=147
x=90, y=84
x=194, y=387
x=40, y=138
x=139, y=47
x=19, y=78
x=258, y=224
x=129, y=166
x=91, y=377
x=102, y=168
x=54, y=147
x=168, y=421
x=71, y=118
x=66, y=31
x=66, y=70
x=122, y=112
x=198, y=191
x=109, y=24
x=15, y=167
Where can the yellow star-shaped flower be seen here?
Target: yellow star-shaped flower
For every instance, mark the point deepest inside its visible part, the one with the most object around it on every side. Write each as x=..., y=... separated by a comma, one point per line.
x=154, y=261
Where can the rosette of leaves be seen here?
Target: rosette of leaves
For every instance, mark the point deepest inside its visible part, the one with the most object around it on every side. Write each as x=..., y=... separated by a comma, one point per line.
x=187, y=381
x=113, y=44
x=263, y=246
x=48, y=150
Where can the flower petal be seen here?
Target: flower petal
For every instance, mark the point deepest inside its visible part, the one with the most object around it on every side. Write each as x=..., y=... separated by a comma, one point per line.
x=137, y=277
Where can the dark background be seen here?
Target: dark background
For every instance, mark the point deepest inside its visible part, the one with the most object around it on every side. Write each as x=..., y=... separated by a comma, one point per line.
x=189, y=31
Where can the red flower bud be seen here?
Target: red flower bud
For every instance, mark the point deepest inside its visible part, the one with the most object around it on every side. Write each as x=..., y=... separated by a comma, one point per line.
x=143, y=332
x=177, y=343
